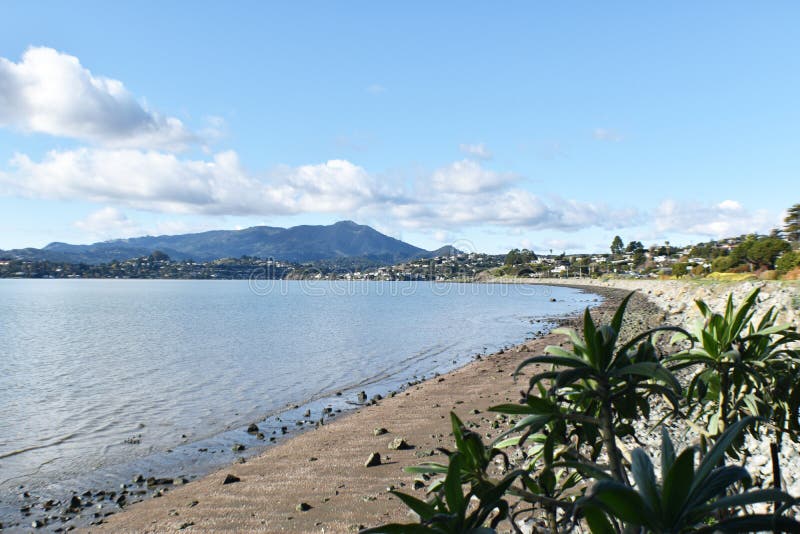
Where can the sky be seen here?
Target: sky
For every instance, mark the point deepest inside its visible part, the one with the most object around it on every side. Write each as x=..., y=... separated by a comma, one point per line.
x=488, y=125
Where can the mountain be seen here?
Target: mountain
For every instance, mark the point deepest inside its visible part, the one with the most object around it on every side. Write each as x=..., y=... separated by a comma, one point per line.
x=344, y=239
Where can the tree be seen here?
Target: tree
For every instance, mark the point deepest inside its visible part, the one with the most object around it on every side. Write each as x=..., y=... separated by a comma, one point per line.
x=617, y=246
x=634, y=246
x=512, y=258
x=763, y=252
x=792, y=227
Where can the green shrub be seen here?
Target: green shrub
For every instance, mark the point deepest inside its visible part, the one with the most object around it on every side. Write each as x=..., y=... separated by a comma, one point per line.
x=788, y=261
x=574, y=413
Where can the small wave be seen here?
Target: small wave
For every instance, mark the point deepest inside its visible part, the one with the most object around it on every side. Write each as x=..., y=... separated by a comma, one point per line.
x=36, y=447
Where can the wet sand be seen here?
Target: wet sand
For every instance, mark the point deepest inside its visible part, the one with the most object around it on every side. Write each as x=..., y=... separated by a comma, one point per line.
x=324, y=468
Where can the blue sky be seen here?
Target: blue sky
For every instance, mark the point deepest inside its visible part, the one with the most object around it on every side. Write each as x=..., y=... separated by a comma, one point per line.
x=491, y=125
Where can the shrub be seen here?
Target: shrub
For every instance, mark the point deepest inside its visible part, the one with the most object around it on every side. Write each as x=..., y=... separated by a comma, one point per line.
x=788, y=261
x=574, y=413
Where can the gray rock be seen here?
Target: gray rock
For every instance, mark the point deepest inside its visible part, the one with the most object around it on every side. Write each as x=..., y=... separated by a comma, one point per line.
x=379, y=431
x=373, y=460
x=231, y=479
x=398, y=444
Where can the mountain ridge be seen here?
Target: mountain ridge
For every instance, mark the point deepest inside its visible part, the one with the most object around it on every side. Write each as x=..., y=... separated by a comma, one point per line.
x=300, y=244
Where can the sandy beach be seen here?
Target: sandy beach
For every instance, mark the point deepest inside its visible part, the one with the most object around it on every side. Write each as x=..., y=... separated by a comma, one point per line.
x=324, y=468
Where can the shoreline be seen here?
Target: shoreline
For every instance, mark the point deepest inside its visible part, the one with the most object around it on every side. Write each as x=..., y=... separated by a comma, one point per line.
x=324, y=467
x=99, y=491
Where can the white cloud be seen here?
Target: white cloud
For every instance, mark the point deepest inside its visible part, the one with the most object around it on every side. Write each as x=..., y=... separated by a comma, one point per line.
x=510, y=208
x=606, y=134
x=159, y=182
x=375, y=89
x=468, y=176
x=108, y=223
x=459, y=195
x=51, y=92
x=725, y=219
x=477, y=150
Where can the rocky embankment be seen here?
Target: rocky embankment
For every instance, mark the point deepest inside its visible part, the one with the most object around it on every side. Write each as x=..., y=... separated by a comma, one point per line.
x=674, y=303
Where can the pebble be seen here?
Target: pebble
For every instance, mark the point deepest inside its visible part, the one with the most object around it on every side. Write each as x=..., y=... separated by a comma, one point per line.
x=231, y=479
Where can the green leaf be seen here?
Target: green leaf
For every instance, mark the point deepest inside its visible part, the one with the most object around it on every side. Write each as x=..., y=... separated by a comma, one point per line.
x=616, y=322
x=621, y=501
x=597, y=520
x=667, y=452
x=645, y=477
x=421, y=508
x=715, y=455
x=716, y=483
x=561, y=361
x=746, y=499
x=452, y=486
x=677, y=482
x=652, y=370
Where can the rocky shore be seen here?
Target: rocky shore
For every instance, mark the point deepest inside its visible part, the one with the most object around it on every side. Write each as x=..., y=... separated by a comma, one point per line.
x=336, y=478
x=675, y=304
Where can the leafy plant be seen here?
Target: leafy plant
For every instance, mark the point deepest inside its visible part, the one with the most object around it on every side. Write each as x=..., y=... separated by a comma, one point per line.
x=687, y=499
x=598, y=388
x=449, y=510
x=742, y=369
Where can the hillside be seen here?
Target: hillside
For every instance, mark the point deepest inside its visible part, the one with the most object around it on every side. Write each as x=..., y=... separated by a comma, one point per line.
x=344, y=239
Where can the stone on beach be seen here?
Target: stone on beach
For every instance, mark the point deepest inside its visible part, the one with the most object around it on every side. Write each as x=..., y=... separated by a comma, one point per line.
x=373, y=460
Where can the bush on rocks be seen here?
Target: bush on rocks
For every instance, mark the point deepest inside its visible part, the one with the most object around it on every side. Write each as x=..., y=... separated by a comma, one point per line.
x=564, y=464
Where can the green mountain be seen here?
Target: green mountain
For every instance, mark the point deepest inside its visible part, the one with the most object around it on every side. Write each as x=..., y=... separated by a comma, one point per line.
x=344, y=239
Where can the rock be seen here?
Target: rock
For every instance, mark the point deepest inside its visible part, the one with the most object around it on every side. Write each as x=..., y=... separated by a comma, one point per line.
x=307, y=413
x=237, y=447
x=303, y=507
x=379, y=431
x=180, y=481
x=138, y=479
x=75, y=502
x=252, y=429
x=231, y=479
x=362, y=396
x=398, y=444
x=373, y=460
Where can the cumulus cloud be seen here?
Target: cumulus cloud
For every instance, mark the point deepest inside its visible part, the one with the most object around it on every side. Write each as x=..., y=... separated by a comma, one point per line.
x=477, y=150
x=511, y=208
x=456, y=196
x=50, y=92
x=159, y=182
x=468, y=176
x=725, y=219
x=108, y=223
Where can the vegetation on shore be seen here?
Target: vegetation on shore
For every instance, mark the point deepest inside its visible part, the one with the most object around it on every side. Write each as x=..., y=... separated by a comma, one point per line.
x=728, y=376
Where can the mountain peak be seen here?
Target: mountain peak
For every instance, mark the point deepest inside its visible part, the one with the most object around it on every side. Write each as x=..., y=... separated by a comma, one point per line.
x=343, y=239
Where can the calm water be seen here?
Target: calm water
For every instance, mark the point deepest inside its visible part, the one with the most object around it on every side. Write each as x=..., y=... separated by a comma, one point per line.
x=99, y=378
